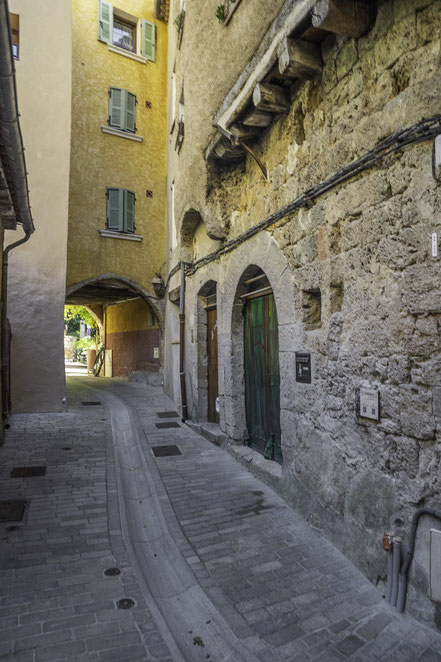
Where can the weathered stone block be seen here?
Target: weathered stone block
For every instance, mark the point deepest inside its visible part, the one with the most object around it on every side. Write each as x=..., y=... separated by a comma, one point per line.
x=368, y=490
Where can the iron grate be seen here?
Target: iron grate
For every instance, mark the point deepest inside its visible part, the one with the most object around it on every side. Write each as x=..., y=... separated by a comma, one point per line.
x=90, y=402
x=163, y=426
x=166, y=451
x=12, y=511
x=167, y=414
x=28, y=472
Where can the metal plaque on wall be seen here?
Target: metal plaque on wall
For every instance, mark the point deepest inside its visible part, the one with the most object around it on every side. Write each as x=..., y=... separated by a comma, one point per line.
x=303, y=367
x=367, y=403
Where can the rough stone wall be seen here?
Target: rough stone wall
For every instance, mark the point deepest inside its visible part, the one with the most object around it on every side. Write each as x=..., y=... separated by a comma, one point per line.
x=366, y=292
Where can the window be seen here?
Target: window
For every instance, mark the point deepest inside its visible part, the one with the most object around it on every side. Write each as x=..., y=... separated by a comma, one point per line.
x=122, y=109
x=120, y=210
x=180, y=134
x=15, y=31
x=121, y=30
x=124, y=34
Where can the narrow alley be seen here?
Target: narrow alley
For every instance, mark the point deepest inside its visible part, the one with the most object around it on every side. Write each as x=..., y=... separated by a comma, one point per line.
x=141, y=540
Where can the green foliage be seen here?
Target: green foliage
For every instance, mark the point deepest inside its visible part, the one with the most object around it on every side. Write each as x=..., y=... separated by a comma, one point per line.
x=81, y=312
x=179, y=20
x=220, y=13
x=85, y=343
x=73, y=315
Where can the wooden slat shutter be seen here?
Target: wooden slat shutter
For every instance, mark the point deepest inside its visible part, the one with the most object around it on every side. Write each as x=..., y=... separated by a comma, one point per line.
x=105, y=21
x=148, y=40
x=115, y=209
x=116, y=107
x=130, y=112
x=129, y=211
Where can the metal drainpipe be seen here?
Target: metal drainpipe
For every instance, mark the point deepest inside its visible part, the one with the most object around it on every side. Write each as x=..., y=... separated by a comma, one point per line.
x=182, y=344
x=3, y=324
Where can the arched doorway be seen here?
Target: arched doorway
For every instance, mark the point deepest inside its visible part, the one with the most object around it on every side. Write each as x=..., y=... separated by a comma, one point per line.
x=208, y=351
x=261, y=364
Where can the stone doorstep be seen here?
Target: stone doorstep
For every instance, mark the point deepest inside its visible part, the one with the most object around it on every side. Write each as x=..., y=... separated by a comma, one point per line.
x=268, y=471
x=210, y=431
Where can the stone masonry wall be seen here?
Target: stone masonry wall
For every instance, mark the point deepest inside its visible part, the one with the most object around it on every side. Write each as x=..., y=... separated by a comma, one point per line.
x=367, y=291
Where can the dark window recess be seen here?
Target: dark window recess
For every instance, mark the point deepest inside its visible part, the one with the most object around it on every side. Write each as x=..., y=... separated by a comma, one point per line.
x=14, y=20
x=165, y=451
x=167, y=425
x=12, y=510
x=336, y=297
x=28, y=472
x=312, y=309
x=167, y=414
x=90, y=402
x=180, y=135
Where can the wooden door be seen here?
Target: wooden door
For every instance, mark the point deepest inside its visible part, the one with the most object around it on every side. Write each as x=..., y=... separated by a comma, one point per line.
x=213, y=389
x=262, y=378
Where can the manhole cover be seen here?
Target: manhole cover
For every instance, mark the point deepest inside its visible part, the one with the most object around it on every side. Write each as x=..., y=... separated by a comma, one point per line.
x=12, y=528
x=112, y=572
x=27, y=472
x=165, y=451
x=167, y=414
x=12, y=511
x=67, y=448
x=163, y=426
x=90, y=402
x=125, y=603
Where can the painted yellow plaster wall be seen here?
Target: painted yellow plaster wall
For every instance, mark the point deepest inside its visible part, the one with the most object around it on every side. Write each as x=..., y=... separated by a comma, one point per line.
x=129, y=316
x=100, y=160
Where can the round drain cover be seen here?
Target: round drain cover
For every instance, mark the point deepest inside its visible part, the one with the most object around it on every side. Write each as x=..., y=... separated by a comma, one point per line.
x=125, y=603
x=112, y=572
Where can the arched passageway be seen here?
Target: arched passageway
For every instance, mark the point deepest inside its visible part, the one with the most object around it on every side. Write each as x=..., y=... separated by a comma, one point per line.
x=131, y=321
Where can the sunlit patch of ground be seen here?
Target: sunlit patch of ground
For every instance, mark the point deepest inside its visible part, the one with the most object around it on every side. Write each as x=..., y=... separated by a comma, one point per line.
x=74, y=368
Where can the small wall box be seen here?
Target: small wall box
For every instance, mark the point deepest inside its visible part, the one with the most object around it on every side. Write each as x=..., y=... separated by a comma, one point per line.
x=367, y=403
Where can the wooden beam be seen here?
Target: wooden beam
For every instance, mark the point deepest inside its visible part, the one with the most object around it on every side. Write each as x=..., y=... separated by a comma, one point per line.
x=242, y=132
x=257, y=118
x=224, y=152
x=299, y=59
x=270, y=98
x=351, y=18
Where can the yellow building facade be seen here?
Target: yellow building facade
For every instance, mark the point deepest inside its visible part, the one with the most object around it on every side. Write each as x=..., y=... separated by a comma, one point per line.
x=117, y=206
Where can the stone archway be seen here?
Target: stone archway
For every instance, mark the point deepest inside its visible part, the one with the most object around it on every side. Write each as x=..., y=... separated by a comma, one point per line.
x=133, y=324
x=262, y=252
x=190, y=221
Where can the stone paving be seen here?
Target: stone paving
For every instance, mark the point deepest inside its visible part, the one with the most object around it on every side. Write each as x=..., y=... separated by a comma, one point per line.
x=284, y=590
x=55, y=601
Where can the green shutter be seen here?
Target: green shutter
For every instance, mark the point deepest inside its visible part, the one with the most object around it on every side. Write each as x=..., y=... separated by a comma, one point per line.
x=115, y=209
x=105, y=21
x=130, y=112
x=129, y=211
x=116, y=108
x=148, y=40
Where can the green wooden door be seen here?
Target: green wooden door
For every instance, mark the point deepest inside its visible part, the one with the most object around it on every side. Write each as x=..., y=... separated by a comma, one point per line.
x=262, y=378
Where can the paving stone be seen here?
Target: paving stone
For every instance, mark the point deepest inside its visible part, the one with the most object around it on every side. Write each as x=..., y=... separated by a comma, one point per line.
x=253, y=556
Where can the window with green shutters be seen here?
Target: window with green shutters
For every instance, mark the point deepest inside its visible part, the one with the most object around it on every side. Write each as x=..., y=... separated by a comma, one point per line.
x=122, y=109
x=120, y=210
x=115, y=30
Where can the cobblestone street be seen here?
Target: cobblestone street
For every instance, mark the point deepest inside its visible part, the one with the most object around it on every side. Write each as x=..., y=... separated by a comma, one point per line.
x=217, y=565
